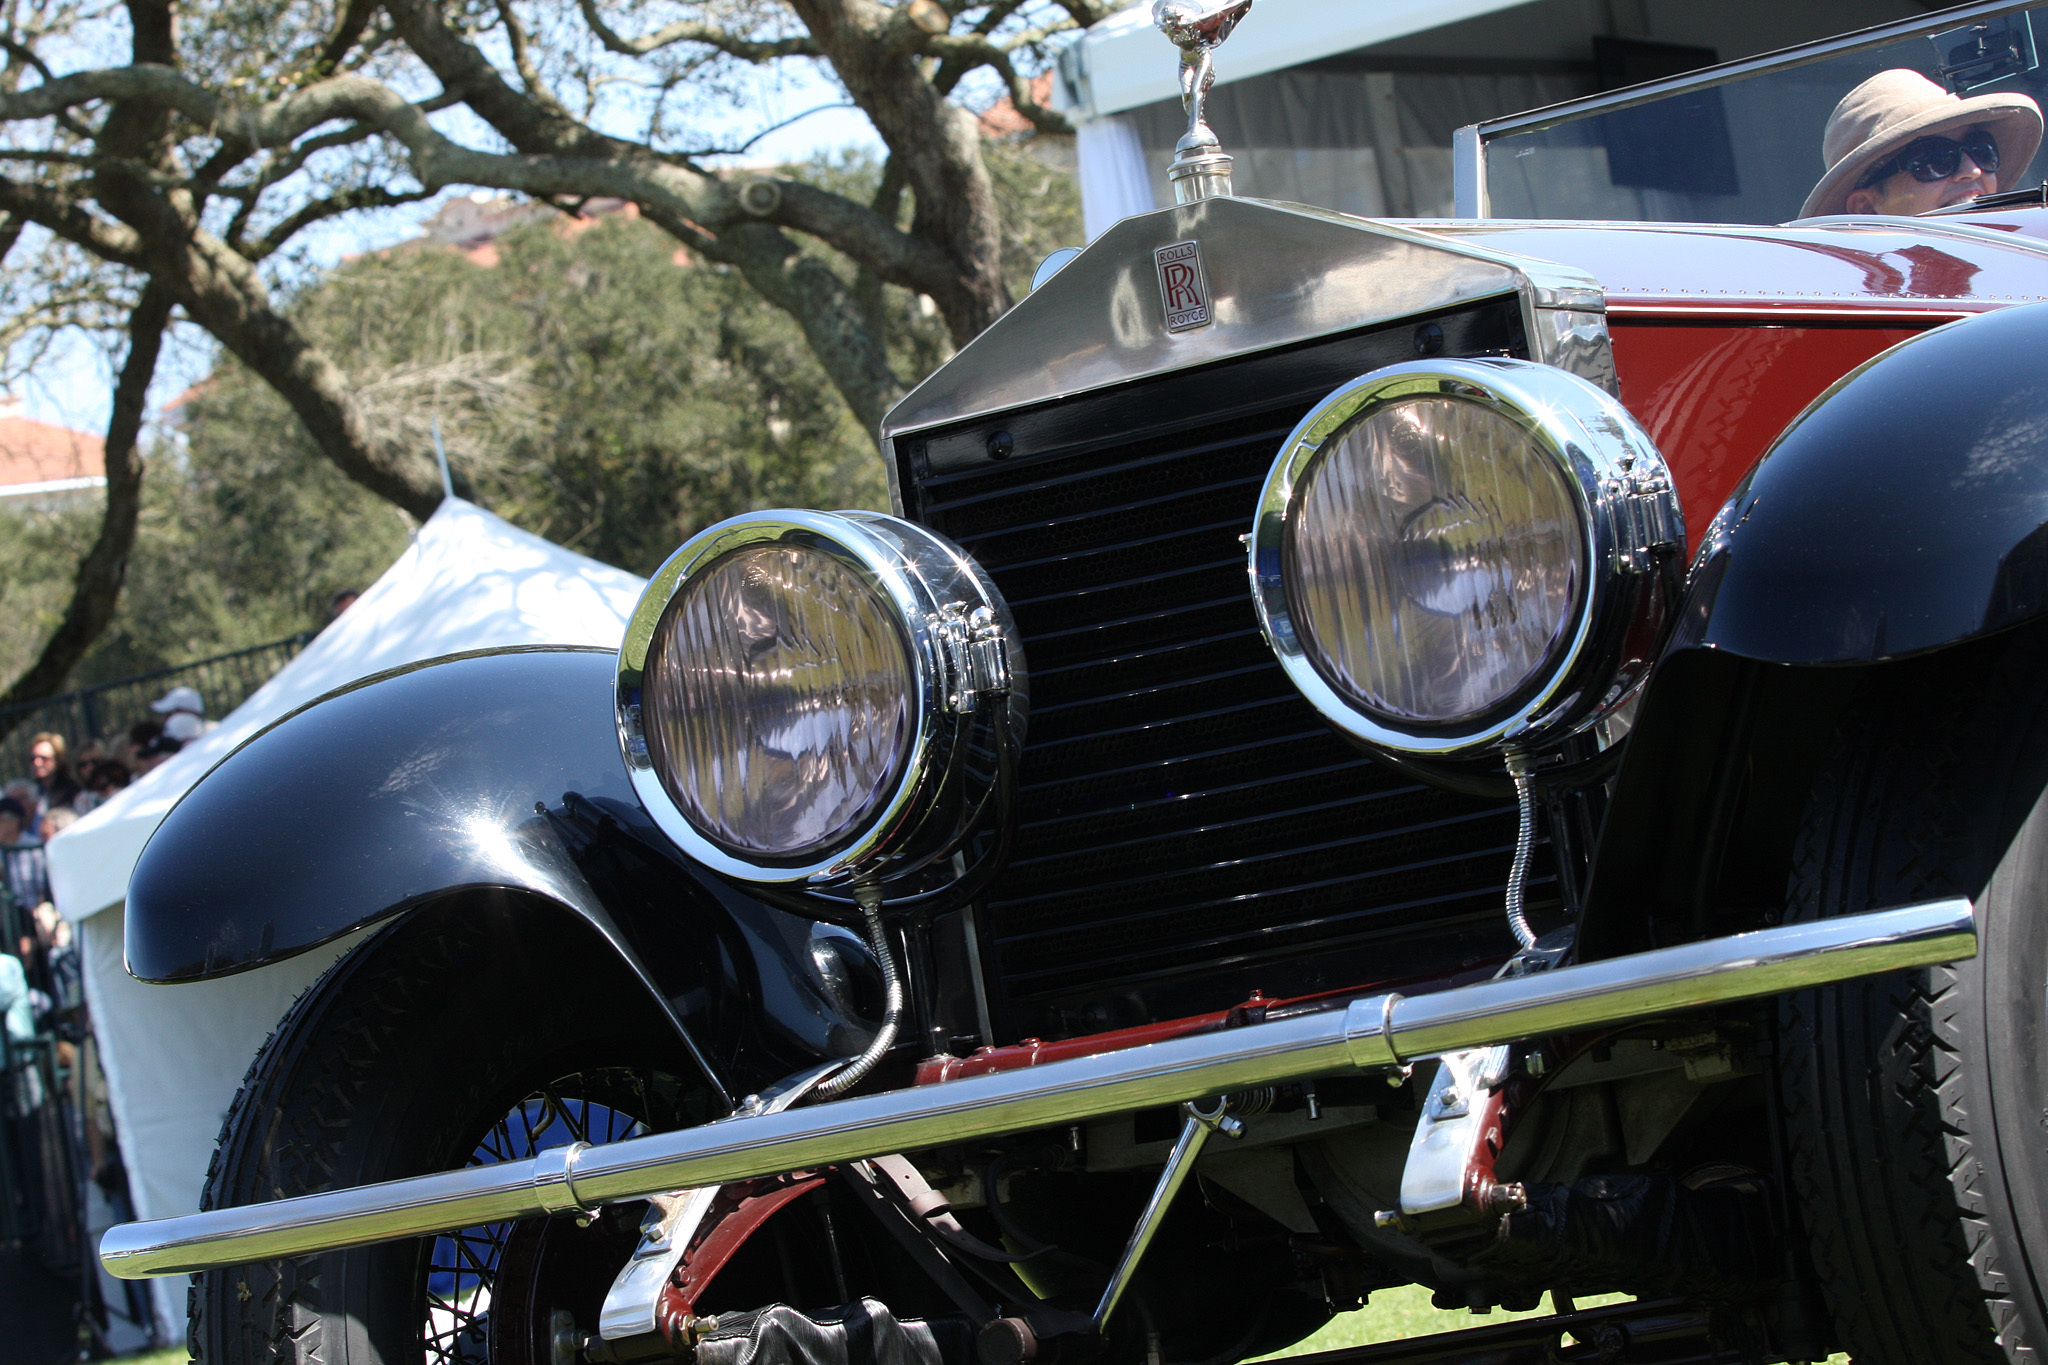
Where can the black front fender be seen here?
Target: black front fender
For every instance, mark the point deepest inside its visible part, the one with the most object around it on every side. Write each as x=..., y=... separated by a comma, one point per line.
x=493, y=773
x=1905, y=510
x=397, y=788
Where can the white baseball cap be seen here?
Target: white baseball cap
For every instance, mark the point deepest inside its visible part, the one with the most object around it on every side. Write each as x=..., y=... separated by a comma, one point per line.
x=179, y=699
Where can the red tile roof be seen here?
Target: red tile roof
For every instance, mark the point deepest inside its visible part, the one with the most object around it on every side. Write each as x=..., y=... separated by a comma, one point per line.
x=1004, y=119
x=38, y=452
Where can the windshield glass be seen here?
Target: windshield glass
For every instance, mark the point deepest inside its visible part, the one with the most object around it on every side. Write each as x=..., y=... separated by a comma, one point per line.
x=1748, y=147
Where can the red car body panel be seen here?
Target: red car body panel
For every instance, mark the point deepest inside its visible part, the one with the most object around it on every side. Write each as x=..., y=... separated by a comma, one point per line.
x=1714, y=395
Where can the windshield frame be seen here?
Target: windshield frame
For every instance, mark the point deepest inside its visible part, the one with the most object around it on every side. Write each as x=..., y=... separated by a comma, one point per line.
x=1469, y=144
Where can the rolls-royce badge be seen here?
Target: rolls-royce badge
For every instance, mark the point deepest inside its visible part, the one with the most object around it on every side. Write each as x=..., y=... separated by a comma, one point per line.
x=1183, y=287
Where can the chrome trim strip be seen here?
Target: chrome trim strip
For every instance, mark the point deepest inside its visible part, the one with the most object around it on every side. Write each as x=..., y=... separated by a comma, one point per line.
x=1468, y=173
x=1955, y=228
x=1367, y=1033
x=1793, y=313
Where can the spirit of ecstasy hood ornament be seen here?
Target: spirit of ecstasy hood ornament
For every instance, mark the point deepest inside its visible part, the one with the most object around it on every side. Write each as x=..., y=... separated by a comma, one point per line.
x=1200, y=169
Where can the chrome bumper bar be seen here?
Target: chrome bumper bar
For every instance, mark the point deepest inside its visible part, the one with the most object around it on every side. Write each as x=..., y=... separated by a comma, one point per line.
x=1376, y=1031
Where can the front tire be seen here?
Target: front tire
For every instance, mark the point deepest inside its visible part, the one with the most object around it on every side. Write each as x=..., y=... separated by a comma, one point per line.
x=470, y=1033
x=1916, y=1104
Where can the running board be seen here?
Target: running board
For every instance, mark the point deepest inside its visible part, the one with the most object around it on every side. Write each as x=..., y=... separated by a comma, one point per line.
x=1371, y=1032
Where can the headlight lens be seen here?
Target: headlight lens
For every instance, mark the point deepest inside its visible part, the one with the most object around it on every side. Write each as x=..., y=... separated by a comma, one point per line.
x=781, y=694
x=1458, y=556
x=816, y=696
x=1433, y=559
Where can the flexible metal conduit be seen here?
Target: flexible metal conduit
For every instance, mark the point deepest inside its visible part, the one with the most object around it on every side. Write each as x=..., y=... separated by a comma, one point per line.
x=856, y=1070
x=1376, y=1031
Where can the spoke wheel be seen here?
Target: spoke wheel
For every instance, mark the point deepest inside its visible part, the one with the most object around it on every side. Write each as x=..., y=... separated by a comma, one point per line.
x=499, y=1292
x=362, y=1083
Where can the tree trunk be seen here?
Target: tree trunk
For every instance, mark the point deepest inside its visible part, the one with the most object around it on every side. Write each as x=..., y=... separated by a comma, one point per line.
x=97, y=589
x=222, y=291
x=937, y=146
x=223, y=294
x=848, y=346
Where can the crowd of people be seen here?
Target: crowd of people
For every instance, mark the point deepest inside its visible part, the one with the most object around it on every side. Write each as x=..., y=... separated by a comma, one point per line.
x=61, y=785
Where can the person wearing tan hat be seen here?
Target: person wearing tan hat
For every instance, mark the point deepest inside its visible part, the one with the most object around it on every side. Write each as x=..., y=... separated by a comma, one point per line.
x=1900, y=144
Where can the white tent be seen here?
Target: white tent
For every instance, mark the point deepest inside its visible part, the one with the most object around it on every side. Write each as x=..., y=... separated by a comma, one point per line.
x=174, y=1055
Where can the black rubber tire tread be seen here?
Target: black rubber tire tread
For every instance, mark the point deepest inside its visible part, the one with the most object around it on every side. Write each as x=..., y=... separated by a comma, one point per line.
x=1918, y=1226
x=260, y=1303
x=338, y=1095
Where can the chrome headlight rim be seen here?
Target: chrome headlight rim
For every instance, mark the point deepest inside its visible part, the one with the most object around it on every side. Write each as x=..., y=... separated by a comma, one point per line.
x=1630, y=530
x=918, y=578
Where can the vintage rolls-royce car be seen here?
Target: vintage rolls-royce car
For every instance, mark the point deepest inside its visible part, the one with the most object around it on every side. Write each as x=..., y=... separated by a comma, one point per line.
x=1504, y=754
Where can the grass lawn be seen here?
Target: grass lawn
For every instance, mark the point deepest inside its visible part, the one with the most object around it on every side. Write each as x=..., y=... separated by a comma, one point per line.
x=1395, y=1314
x=1392, y=1315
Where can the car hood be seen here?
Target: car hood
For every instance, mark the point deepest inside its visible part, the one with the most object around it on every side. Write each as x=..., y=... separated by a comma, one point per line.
x=1853, y=268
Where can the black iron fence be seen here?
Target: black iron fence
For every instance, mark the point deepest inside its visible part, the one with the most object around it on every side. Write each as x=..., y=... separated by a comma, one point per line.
x=56, y=1135
x=39, y=1175
x=39, y=1136
x=105, y=711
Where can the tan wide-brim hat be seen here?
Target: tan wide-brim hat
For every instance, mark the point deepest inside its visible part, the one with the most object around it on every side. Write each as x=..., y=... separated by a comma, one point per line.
x=1882, y=115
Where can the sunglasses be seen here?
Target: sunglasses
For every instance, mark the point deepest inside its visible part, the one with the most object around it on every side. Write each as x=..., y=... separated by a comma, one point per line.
x=1929, y=159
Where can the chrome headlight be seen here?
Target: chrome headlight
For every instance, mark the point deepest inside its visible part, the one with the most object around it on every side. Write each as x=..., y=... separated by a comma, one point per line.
x=1462, y=555
x=799, y=693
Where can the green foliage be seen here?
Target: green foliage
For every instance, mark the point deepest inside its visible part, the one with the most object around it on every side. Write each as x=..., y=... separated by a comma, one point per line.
x=1037, y=185
x=39, y=551
x=1393, y=1315
x=241, y=544
x=228, y=553
x=1405, y=1313
x=170, y=1355
x=1040, y=194
x=593, y=385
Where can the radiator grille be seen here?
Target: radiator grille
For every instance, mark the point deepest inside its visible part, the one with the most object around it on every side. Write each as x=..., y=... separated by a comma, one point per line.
x=1189, y=828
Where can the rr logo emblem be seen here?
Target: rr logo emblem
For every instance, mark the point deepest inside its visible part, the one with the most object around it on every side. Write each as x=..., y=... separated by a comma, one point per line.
x=1183, y=288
